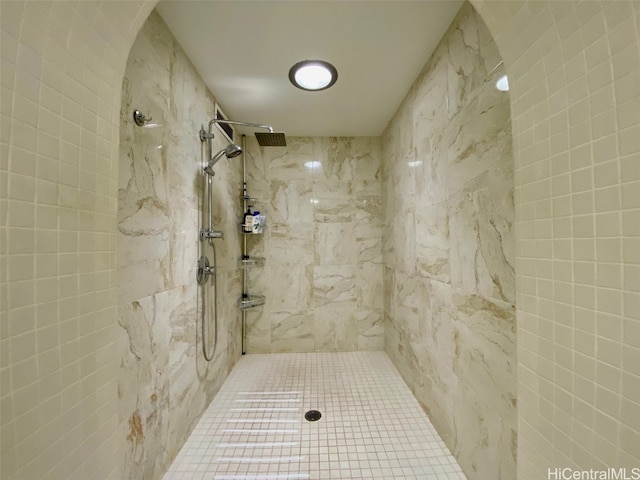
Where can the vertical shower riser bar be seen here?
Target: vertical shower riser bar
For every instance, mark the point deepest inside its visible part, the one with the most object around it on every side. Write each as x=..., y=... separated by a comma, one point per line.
x=244, y=245
x=206, y=236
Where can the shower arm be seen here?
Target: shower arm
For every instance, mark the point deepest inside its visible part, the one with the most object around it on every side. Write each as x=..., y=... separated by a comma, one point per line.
x=208, y=135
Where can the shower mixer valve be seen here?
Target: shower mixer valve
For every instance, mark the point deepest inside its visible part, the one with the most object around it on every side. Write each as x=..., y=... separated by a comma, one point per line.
x=204, y=270
x=206, y=233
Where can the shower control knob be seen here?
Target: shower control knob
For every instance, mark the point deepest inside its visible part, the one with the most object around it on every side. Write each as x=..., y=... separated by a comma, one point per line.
x=204, y=270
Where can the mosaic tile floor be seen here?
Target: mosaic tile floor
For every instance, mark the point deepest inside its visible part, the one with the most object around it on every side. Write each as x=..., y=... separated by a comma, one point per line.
x=371, y=427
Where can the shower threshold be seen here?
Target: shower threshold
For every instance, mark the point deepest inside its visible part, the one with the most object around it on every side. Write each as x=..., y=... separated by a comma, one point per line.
x=371, y=426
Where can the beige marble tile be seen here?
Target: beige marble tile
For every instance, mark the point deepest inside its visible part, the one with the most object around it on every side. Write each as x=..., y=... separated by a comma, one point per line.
x=292, y=287
x=366, y=154
x=370, y=328
x=448, y=249
x=335, y=327
x=258, y=336
x=485, y=351
x=433, y=242
x=429, y=159
x=334, y=284
x=369, y=285
x=369, y=242
x=257, y=171
x=337, y=173
x=478, y=137
x=335, y=244
x=288, y=274
x=291, y=331
x=164, y=381
x=481, y=231
x=368, y=210
x=145, y=388
x=328, y=208
x=303, y=158
x=291, y=201
x=322, y=244
x=472, y=420
x=291, y=244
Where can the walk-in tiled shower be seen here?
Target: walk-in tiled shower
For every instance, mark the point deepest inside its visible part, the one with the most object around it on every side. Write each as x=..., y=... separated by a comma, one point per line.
x=100, y=372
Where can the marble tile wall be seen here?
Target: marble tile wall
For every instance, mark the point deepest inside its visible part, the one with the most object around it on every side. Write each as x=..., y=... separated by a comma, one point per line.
x=164, y=382
x=322, y=244
x=448, y=248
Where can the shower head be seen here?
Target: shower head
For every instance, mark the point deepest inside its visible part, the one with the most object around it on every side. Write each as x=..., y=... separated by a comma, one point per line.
x=265, y=139
x=271, y=139
x=231, y=151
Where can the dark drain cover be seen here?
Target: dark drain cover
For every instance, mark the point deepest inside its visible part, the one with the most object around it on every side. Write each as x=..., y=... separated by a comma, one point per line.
x=312, y=416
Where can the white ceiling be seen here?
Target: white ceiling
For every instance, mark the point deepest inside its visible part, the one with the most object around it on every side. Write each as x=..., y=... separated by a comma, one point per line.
x=244, y=49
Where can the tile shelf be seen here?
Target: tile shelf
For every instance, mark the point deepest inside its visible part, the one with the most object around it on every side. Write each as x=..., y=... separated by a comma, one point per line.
x=250, y=262
x=249, y=233
x=249, y=301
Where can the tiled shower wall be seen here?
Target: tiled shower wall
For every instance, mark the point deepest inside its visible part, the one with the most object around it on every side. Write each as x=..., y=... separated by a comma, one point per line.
x=62, y=67
x=449, y=249
x=323, y=244
x=164, y=382
x=574, y=71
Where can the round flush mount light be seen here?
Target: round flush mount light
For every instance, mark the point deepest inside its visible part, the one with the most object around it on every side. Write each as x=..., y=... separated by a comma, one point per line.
x=313, y=75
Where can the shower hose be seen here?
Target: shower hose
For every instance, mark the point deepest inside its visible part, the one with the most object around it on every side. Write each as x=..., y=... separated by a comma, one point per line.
x=209, y=356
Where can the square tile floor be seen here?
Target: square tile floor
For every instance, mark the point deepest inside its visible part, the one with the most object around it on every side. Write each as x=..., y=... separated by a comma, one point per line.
x=371, y=426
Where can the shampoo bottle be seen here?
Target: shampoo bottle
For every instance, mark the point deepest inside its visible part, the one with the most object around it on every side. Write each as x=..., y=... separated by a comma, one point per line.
x=247, y=221
x=256, y=227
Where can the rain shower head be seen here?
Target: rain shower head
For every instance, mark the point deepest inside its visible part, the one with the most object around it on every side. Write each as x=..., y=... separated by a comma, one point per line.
x=231, y=151
x=265, y=139
x=271, y=139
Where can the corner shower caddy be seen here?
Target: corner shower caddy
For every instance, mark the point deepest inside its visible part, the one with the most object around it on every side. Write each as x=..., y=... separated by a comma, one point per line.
x=246, y=262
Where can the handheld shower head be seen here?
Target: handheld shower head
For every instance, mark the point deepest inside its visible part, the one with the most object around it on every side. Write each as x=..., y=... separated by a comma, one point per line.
x=231, y=151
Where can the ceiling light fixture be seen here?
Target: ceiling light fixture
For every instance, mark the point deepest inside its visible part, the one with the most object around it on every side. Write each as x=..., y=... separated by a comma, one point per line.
x=313, y=75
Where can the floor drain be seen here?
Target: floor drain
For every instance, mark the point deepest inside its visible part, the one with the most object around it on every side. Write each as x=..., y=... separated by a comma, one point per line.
x=312, y=416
